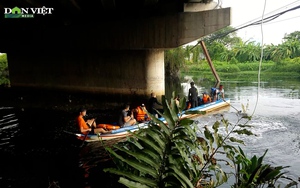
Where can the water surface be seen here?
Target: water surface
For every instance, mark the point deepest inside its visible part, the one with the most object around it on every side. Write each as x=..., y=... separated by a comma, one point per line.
x=36, y=152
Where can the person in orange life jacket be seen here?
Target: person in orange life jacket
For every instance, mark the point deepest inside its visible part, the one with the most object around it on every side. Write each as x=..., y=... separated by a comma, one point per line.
x=89, y=125
x=206, y=98
x=141, y=113
x=125, y=119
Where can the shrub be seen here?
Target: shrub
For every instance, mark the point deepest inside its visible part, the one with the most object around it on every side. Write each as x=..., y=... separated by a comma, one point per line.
x=172, y=155
x=3, y=63
x=4, y=75
x=233, y=60
x=228, y=68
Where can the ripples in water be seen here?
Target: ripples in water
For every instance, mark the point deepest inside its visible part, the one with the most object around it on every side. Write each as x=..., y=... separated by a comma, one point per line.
x=9, y=127
x=278, y=134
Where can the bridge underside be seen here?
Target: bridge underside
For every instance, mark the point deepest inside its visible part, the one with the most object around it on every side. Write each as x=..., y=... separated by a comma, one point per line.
x=123, y=55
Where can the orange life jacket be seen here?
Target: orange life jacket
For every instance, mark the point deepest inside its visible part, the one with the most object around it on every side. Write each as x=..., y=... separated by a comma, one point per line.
x=141, y=114
x=108, y=126
x=206, y=99
x=82, y=124
x=188, y=106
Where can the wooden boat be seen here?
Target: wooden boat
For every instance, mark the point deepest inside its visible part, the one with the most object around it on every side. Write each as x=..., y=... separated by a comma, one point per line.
x=125, y=131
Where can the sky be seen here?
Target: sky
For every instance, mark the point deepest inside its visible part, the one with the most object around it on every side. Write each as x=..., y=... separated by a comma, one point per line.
x=247, y=11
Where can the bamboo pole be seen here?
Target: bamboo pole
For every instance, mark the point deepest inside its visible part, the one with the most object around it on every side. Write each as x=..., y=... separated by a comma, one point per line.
x=210, y=63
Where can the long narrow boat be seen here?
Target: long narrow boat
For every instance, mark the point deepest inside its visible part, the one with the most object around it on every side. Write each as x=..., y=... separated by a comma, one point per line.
x=125, y=131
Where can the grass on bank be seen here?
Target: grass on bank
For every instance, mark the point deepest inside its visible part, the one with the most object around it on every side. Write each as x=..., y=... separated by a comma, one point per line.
x=287, y=68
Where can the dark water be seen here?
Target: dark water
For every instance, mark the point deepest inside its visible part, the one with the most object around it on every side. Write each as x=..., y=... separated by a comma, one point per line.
x=36, y=152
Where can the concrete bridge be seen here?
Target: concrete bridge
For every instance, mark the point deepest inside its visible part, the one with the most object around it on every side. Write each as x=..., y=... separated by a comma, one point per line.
x=110, y=47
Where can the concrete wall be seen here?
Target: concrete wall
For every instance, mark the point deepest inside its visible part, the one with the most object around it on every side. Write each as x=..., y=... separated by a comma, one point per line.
x=110, y=72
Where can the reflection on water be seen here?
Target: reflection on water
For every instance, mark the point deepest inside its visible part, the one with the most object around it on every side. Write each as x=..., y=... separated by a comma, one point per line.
x=35, y=151
x=31, y=156
x=8, y=126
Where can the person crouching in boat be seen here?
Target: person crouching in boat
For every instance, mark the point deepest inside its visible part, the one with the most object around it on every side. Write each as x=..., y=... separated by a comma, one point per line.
x=206, y=98
x=88, y=126
x=126, y=117
x=218, y=93
x=141, y=113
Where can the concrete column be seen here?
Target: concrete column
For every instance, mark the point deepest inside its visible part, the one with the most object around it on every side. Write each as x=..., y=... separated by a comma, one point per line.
x=120, y=75
x=155, y=72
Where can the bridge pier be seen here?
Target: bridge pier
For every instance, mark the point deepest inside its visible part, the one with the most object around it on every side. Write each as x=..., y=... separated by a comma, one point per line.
x=109, y=72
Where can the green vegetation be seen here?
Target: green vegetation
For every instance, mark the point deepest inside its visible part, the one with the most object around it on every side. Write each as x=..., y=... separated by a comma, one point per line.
x=173, y=155
x=4, y=80
x=288, y=67
x=232, y=55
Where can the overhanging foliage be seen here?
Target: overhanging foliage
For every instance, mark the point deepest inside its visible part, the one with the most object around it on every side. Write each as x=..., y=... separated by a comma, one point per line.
x=171, y=154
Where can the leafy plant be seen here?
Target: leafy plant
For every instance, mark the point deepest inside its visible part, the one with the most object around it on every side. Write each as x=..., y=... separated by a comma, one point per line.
x=170, y=154
x=253, y=173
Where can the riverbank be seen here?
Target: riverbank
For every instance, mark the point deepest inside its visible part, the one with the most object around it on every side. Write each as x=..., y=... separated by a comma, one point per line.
x=246, y=72
x=269, y=70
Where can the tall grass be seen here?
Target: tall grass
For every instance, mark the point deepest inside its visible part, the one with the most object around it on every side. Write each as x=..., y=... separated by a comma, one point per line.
x=248, y=68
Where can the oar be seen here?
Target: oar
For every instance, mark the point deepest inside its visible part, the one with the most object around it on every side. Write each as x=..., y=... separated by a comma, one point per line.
x=239, y=111
x=85, y=138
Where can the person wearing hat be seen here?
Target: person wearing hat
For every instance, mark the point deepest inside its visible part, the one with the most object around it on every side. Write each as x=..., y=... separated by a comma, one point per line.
x=89, y=125
x=193, y=95
x=206, y=98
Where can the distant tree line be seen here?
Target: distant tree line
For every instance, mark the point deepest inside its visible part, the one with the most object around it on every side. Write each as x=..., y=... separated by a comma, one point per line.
x=231, y=49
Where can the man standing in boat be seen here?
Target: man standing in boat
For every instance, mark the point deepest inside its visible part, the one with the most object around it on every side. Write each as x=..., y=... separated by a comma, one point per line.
x=126, y=119
x=193, y=95
x=152, y=104
x=88, y=126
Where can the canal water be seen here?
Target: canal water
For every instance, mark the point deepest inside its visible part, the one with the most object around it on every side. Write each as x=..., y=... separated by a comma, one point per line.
x=36, y=150
x=275, y=110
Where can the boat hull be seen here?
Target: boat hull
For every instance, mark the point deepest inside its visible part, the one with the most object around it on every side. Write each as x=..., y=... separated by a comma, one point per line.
x=126, y=131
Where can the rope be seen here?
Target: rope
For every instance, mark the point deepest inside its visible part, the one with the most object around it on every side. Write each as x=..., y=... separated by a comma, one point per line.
x=261, y=57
